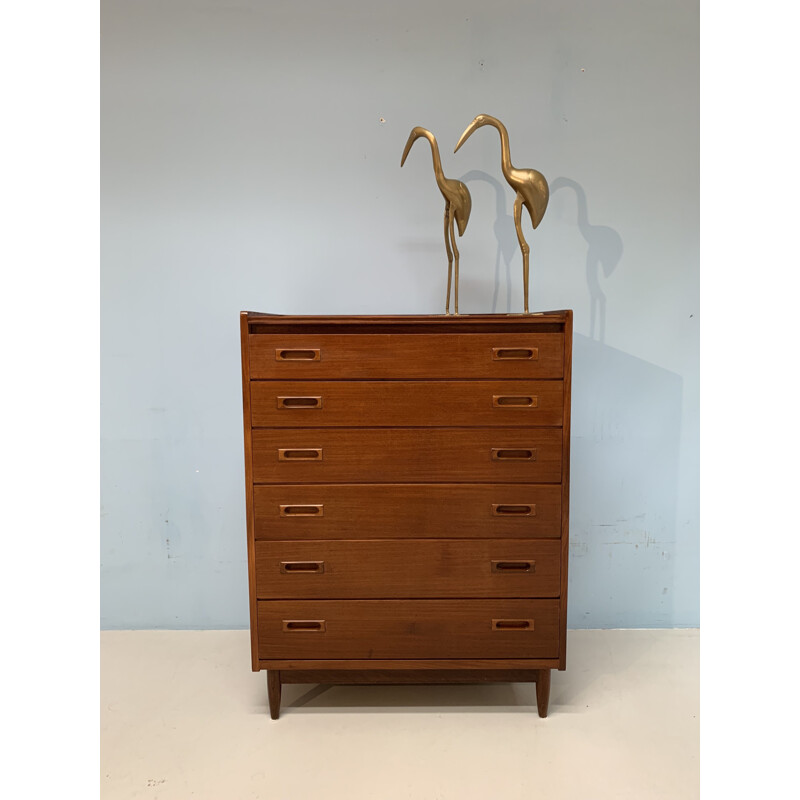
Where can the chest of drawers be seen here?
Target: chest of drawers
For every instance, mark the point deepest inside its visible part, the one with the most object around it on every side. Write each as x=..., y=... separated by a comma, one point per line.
x=407, y=490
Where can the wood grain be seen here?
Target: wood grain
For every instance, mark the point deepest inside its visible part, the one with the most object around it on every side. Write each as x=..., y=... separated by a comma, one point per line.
x=410, y=568
x=396, y=356
x=387, y=537
x=408, y=455
x=406, y=403
x=389, y=510
x=376, y=629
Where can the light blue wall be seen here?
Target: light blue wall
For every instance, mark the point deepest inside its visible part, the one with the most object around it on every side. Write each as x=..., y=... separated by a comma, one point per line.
x=250, y=160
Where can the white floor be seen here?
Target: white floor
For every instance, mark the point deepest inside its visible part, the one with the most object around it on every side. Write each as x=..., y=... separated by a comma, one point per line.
x=182, y=716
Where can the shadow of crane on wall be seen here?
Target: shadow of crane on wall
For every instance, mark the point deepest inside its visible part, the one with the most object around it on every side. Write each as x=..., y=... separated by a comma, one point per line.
x=603, y=253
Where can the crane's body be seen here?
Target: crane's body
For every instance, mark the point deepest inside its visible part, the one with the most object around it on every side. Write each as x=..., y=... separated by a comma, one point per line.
x=458, y=205
x=530, y=185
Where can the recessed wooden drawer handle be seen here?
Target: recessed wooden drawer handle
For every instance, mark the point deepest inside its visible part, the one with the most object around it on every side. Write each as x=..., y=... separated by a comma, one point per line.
x=303, y=625
x=515, y=353
x=513, y=511
x=511, y=401
x=513, y=566
x=512, y=454
x=299, y=402
x=302, y=511
x=296, y=454
x=317, y=567
x=512, y=624
x=297, y=355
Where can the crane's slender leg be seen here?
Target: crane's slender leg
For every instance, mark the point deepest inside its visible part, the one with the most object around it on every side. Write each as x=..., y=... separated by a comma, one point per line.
x=455, y=251
x=523, y=245
x=447, y=219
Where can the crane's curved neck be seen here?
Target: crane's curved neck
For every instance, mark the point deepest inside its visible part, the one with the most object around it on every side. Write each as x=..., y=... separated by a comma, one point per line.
x=583, y=209
x=505, y=150
x=437, y=161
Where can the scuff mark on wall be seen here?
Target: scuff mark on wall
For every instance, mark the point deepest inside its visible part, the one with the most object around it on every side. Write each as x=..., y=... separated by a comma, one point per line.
x=578, y=549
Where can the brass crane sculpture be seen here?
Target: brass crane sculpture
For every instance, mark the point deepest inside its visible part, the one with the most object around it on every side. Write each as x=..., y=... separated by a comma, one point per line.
x=458, y=204
x=529, y=184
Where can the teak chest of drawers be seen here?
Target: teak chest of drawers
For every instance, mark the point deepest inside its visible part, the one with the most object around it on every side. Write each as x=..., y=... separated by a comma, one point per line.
x=407, y=482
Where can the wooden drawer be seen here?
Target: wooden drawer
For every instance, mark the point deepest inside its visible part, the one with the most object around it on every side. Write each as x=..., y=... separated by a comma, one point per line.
x=407, y=355
x=320, y=629
x=407, y=455
x=397, y=403
x=387, y=511
x=408, y=568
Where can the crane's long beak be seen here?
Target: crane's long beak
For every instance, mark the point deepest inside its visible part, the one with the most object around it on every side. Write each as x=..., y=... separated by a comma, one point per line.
x=467, y=133
x=412, y=137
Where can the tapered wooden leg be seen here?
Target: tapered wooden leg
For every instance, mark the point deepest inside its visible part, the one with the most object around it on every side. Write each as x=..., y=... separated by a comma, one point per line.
x=543, y=691
x=274, y=692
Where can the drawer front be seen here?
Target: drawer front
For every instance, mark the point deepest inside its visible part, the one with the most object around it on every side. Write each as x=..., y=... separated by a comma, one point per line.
x=408, y=568
x=388, y=511
x=407, y=455
x=407, y=355
x=396, y=403
x=320, y=629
